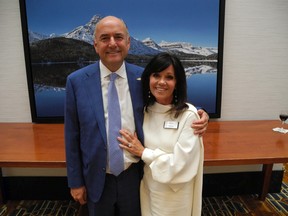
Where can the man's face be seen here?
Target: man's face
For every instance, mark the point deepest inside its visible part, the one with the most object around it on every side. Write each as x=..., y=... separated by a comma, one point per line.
x=112, y=42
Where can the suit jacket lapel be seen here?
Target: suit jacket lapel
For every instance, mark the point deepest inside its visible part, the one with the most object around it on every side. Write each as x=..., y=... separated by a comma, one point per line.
x=135, y=87
x=94, y=91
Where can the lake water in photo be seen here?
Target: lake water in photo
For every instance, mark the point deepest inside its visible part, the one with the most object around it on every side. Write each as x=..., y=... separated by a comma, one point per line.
x=201, y=93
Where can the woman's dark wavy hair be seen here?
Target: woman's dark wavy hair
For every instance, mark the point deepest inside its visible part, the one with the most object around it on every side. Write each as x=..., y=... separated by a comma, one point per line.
x=156, y=65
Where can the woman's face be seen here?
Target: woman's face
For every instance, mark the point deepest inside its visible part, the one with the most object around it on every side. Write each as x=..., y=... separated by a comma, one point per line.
x=162, y=85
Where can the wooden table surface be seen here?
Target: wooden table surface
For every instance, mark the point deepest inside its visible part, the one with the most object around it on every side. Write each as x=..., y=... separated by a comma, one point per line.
x=226, y=143
x=244, y=142
x=32, y=145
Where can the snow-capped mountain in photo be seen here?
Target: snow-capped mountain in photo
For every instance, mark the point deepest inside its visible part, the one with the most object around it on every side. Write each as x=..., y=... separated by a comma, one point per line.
x=34, y=36
x=187, y=48
x=139, y=48
x=183, y=47
x=149, y=42
x=85, y=32
x=145, y=47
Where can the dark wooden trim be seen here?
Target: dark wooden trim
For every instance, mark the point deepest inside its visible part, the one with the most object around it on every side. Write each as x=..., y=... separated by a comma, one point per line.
x=267, y=172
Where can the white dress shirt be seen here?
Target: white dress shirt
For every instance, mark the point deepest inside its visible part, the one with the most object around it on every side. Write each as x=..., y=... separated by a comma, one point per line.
x=127, y=116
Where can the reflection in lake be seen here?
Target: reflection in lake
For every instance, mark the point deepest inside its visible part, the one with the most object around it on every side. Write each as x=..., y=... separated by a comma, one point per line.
x=53, y=74
x=50, y=80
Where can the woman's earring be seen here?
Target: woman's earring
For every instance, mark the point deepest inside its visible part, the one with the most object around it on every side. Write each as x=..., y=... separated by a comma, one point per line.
x=175, y=96
x=149, y=94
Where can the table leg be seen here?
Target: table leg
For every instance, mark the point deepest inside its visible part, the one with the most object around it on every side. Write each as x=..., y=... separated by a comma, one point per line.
x=267, y=171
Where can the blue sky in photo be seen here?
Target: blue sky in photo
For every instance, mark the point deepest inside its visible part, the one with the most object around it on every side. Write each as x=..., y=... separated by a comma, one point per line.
x=194, y=21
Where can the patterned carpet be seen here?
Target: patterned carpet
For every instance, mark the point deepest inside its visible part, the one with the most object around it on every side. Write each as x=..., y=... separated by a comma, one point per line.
x=248, y=205
x=276, y=204
x=43, y=208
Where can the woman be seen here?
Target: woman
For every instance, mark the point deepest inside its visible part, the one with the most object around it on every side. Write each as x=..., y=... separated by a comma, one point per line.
x=173, y=155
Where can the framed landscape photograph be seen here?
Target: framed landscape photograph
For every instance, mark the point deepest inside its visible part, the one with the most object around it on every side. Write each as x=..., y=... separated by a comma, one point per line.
x=58, y=40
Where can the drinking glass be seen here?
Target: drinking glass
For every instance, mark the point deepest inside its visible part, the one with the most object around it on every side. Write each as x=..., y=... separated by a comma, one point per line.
x=283, y=117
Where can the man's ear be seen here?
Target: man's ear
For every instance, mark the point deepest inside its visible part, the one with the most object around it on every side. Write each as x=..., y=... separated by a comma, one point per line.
x=129, y=42
x=95, y=46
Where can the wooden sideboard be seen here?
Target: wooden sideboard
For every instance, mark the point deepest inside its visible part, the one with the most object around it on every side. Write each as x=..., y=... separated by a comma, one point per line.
x=225, y=142
x=244, y=143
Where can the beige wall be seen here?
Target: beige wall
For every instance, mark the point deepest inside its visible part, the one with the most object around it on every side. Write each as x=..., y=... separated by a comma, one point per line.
x=255, y=70
x=255, y=74
x=14, y=99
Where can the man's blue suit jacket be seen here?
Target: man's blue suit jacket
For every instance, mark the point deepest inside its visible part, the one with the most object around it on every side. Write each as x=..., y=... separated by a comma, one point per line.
x=85, y=132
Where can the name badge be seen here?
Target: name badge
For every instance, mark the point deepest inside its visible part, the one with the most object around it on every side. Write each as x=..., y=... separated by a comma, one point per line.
x=171, y=125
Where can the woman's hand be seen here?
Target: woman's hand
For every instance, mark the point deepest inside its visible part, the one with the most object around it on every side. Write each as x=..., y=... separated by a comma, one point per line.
x=130, y=143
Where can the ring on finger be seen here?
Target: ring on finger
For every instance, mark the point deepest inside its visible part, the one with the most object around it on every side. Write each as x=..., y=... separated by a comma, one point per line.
x=129, y=145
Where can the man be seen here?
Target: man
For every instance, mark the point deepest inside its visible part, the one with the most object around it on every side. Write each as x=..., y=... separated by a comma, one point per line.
x=86, y=118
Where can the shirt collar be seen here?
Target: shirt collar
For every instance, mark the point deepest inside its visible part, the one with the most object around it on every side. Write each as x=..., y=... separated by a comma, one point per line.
x=106, y=72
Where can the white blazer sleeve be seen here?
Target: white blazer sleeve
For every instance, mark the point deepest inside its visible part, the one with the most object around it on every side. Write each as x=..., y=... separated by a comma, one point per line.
x=182, y=164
